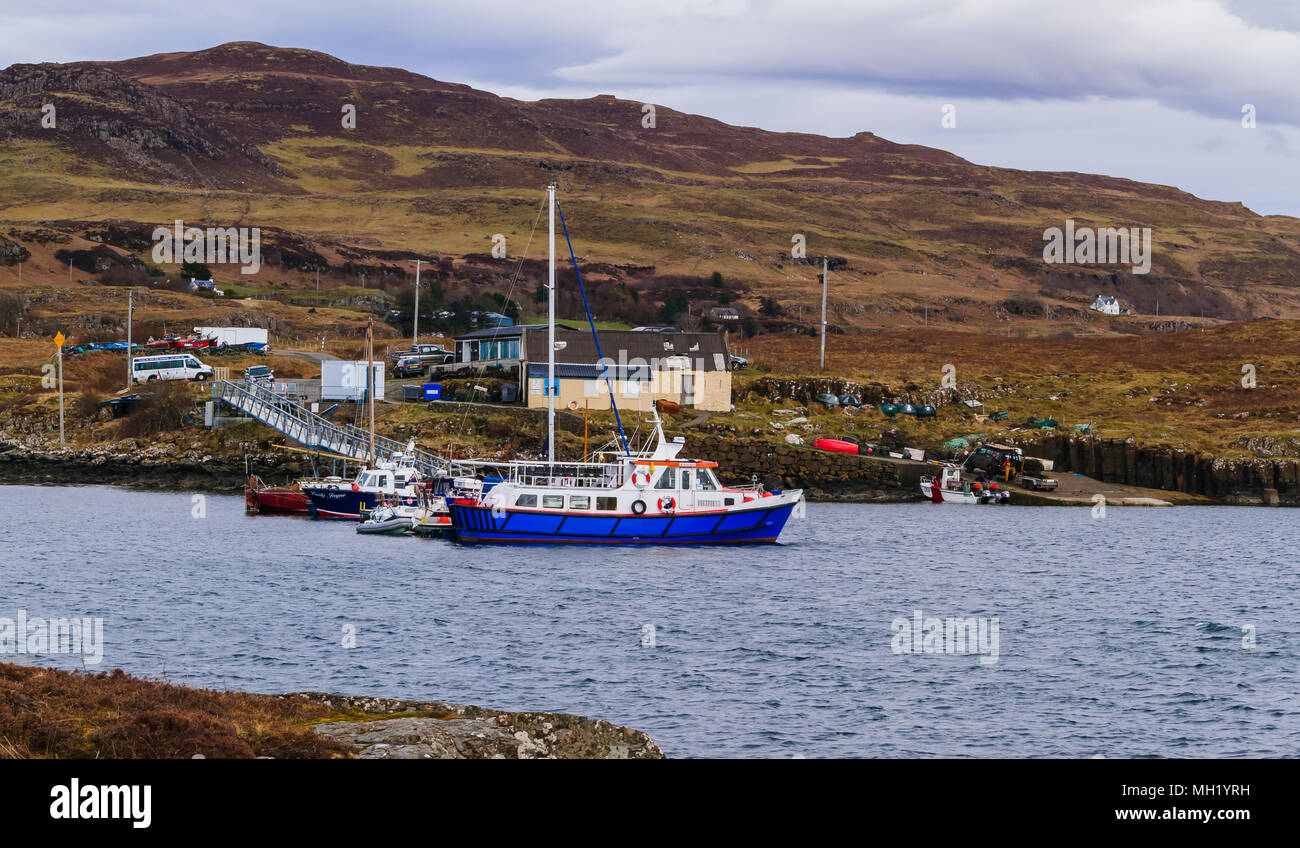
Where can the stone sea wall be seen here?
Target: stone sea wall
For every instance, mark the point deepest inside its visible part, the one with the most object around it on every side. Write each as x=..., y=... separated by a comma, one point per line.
x=822, y=475
x=1261, y=481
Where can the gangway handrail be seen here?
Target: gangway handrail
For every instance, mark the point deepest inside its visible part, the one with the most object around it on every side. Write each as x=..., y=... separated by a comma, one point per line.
x=307, y=428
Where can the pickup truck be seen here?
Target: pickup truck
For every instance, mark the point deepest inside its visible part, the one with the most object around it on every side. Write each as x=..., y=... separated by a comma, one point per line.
x=429, y=354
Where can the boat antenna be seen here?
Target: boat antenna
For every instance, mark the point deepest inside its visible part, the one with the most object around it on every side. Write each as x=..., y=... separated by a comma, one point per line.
x=600, y=357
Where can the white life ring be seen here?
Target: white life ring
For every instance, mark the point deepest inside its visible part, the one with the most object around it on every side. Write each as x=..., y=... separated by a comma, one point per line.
x=667, y=504
x=640, y=477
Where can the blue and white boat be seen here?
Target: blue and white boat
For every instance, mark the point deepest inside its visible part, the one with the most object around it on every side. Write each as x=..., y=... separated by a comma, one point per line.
x=650, y=497
x=391, y=483
x=646, y=497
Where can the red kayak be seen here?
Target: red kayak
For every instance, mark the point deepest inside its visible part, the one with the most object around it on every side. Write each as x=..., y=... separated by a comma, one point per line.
x=836, y=445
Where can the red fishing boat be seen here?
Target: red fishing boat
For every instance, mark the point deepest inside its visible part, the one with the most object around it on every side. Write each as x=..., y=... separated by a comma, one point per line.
x=261, y=498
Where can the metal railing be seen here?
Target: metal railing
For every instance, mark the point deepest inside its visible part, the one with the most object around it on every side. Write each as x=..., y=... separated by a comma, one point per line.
x=314, y=431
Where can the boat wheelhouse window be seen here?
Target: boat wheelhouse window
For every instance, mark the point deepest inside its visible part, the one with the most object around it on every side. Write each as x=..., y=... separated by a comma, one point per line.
x=668, y=479
x=526, y=500
x=579, y=502
x=607, y=503
x=553, y=501
x=686, y=480
x=707, y=481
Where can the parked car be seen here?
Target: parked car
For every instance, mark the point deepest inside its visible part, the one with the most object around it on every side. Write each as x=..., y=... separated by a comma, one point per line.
x=409, y=366
x=738, y=362
x=258, y=374
x=429, y=354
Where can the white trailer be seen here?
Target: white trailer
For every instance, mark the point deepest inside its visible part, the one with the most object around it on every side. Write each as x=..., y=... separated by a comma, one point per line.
x=233, y=335
x=344, y=380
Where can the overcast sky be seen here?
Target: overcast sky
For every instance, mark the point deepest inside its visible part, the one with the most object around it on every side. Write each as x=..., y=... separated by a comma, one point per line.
x=1152, y=90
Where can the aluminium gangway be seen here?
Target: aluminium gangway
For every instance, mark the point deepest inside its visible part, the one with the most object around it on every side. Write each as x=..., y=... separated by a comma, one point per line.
x=314, y=431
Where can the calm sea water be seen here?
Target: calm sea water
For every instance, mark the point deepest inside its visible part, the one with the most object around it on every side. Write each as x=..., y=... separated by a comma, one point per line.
x=1123, y=636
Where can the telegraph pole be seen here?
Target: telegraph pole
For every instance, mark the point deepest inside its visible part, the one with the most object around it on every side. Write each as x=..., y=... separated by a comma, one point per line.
x=822, y=361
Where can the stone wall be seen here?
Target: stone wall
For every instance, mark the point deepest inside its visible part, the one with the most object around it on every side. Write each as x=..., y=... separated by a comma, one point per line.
x=822, y=475
x=1237, y=481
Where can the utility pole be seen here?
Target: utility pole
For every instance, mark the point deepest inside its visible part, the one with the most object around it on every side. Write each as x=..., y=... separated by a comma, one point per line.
x=822, y=360
x=317, y=281
x=415, y=331
x=130, y=306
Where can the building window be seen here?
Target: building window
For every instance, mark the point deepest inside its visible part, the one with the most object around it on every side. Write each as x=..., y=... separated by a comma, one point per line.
x=526, y=500
x=607, y=503
x=553, y=501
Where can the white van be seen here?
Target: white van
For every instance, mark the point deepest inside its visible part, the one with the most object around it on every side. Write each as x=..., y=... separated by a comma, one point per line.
x=172, y=366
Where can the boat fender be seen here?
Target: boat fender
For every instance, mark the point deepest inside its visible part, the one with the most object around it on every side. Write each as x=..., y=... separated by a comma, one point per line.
x=638, y=507
x=355, y=487
x=640, y=477
x=667, y=504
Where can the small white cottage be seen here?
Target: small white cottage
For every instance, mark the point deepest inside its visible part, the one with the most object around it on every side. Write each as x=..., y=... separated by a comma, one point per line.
x=1107, y=305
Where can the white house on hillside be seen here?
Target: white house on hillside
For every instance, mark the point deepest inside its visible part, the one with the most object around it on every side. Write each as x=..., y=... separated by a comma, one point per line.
x=1108, y=305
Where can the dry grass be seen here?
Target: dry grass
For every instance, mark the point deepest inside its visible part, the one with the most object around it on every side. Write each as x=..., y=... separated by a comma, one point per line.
x=1181, y=389
x=67, y=715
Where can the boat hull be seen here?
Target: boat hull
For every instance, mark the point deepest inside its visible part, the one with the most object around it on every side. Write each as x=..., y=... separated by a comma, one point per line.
x=392, y=527
x=346, y=503
x=756, y=525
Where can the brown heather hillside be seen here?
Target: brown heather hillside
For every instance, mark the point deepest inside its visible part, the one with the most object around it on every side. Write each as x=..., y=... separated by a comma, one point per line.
x=251, y=135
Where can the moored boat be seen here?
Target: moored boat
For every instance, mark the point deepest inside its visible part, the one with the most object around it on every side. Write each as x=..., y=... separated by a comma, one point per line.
x=284, y=500
x=651, y=496
x=949, y=487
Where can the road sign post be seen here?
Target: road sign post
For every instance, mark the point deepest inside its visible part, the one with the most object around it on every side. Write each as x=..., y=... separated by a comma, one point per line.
x=58, y=341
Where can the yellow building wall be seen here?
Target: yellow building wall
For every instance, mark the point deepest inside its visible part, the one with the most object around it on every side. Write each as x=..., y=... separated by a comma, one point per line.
x=712, y=391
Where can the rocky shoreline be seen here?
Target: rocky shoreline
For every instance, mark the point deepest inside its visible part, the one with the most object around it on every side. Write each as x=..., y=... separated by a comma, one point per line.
x=163, y=467
x=438, y=730
x=824, y=476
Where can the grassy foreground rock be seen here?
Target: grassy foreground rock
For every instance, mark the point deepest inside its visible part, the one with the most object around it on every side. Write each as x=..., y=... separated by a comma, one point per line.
x=70, y=715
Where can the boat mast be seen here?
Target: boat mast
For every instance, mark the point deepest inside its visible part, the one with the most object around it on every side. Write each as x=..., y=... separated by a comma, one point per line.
x=370, y=385
x=550, y=330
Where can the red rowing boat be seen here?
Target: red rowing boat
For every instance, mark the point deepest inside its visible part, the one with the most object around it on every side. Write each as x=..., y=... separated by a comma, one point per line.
x=836, y=445
x=259, y=497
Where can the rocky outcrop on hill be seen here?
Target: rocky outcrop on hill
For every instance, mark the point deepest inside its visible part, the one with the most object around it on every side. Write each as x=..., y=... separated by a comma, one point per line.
x=806, y=389
x=438, y=730
x=11, y=252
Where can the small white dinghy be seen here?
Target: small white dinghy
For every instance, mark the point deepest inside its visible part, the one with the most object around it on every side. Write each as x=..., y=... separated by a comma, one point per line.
x=386, y=521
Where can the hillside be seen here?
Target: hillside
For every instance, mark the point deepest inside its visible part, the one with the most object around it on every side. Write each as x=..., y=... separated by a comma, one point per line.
x=249, y=135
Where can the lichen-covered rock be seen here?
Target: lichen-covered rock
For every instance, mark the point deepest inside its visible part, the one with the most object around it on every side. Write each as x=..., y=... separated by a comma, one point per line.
x=439, y=730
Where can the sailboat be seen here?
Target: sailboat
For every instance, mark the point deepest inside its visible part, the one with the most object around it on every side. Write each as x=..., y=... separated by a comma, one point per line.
x=647, y=496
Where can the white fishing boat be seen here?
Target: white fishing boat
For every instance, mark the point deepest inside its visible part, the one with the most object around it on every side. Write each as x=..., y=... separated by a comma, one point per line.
x=949, y=487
